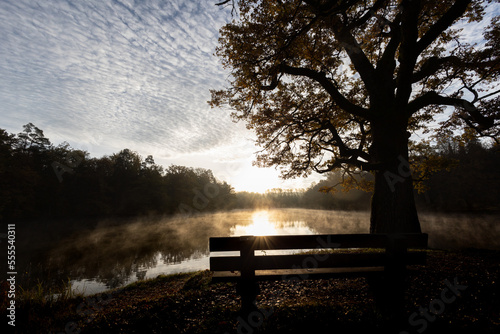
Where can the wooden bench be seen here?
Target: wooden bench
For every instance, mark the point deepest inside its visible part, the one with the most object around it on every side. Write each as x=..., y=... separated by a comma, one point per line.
x=383, y=258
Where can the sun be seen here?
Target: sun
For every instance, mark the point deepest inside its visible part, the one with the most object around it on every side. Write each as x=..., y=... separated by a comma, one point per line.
x=254, y=179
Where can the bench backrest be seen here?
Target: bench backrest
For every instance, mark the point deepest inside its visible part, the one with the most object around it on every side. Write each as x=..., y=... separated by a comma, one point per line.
x=395, y=245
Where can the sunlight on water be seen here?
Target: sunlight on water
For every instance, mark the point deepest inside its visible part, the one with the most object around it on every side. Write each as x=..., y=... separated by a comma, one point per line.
x=262, y=224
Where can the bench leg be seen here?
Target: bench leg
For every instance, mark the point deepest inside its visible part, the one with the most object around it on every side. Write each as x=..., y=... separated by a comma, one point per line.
x=248, y=290
x=389, y=295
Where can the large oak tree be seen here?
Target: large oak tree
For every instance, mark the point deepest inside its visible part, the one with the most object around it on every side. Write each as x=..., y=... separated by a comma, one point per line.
x=343, y=84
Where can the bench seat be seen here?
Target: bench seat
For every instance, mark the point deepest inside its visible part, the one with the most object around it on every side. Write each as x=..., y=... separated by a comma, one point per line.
x=291, y=274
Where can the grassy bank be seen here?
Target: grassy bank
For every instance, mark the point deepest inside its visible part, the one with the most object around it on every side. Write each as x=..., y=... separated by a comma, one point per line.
x=188, y=303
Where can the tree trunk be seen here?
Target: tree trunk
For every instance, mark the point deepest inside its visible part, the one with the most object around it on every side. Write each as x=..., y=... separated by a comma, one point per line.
x=393, y=205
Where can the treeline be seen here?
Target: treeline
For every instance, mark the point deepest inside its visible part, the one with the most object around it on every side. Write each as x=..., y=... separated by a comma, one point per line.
x=311, y=198
x=41, y=181
x=472, y=185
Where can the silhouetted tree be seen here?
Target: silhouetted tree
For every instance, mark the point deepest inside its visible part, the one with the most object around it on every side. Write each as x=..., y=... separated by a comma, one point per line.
x=343, y=84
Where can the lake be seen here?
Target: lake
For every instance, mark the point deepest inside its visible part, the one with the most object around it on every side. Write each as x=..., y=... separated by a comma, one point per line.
x=110, y=254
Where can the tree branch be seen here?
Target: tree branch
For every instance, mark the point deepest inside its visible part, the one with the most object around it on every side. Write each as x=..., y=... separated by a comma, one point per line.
x=328, y=11
x=471, y=114
x=358, y=57
x=327, y=8
x=224, y=2
x=327, y=84
x=432, y=65
x=371, y=13
x=387, y=62
x=344, y=150
x=365, y=166
x=455, y=11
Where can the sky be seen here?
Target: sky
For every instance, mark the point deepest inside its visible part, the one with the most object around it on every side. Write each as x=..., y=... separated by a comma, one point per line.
x=104, y=75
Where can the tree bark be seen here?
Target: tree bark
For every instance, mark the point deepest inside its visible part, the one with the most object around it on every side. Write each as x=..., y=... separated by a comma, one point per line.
x=393, y=205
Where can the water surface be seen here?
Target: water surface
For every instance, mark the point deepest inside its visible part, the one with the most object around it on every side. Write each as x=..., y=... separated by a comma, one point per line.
x=111, y=254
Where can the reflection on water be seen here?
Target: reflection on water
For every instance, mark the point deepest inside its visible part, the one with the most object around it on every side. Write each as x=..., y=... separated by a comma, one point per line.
x=262, y=224
x=111, y=254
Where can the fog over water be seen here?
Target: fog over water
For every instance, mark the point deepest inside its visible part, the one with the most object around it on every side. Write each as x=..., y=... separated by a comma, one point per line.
x=110, y=254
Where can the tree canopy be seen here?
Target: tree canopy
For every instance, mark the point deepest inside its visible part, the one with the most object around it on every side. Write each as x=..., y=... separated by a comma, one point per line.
x=329, y=84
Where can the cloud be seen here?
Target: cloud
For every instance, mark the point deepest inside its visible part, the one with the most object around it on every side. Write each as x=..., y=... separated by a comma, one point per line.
x=108, y=73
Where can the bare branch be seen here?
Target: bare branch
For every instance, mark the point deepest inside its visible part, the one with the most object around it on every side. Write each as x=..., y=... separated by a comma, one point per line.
x=225, y=2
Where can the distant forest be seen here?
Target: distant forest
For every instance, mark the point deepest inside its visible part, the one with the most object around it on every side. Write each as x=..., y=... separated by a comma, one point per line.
x=41, y=181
